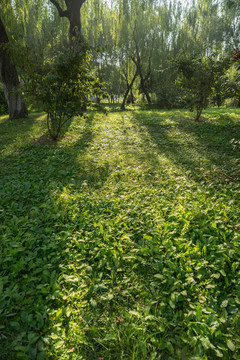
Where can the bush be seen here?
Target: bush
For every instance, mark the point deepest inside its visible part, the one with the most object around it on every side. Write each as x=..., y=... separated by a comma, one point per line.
x=231, y=102
x=168, y=96
x=61, y=84
x=196, y=78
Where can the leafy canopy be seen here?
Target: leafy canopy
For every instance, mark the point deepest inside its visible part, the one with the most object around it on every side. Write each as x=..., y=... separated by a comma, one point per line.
x=197, y=76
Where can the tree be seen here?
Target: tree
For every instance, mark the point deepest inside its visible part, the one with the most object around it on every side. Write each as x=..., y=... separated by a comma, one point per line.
x=139, y=61
x=129, y=85
x=10, y=80
x=72, y=13
x=232, y=77
x=62, y=84
x=136, y=38
x=147, y=34
x=197, y=77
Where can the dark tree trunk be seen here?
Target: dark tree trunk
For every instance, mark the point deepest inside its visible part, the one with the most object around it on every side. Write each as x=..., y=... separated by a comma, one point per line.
x=73, y=15
x=9, y=78
x=129, y=88
x=138, y=63
x=198, y=113
x=145, y=91
x=143, y=80
x=132, y=96
x=75, y=21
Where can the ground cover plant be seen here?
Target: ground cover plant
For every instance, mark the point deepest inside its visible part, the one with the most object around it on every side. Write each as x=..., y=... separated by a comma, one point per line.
x=121, y=240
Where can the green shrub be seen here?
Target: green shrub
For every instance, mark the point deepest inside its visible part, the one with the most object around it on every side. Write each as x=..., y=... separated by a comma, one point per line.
x=60, y=83
x=197, y=77
x=63, y=85
x=231, y=102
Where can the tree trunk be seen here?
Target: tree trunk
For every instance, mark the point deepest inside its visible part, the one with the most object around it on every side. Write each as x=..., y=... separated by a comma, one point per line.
x=75, y=21
x=145, y=91
x=198, y=113
x=73, y=15
x=132, y=96
x=137, y=62
x=129, y=88
x=9, y=78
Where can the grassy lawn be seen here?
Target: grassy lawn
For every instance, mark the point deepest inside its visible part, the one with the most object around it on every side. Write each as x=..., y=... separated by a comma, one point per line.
x=122, y=240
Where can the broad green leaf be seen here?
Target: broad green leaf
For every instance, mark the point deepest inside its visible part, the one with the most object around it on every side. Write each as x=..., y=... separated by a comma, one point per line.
x=224, y=303
x=230, y=345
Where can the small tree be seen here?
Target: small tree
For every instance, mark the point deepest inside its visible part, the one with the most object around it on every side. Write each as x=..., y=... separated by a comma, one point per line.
x=196, y=78
x=62, y=85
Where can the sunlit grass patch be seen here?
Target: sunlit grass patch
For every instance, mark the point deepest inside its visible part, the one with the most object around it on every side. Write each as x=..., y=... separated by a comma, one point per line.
x=121, y=240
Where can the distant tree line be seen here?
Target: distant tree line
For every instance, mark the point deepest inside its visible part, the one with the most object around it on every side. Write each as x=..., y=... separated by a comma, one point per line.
x=160, y=52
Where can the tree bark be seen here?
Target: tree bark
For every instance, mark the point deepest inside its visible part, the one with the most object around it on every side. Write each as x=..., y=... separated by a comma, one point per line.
x=145, y=91
x=137, y=62
x=143, y=87
x=73, y=15
x=129, y=88
x=10, y=80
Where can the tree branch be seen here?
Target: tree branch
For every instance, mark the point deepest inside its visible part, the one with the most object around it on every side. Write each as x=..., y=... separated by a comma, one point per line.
x=69, y=2
x=82, y=2
x=135, y=61
x=62, y=13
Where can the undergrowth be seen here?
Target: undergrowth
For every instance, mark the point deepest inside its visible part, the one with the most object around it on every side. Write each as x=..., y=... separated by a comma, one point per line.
x=121, y=240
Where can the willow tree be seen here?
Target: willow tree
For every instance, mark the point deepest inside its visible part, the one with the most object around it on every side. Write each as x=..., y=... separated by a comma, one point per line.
x=143, y=39
x=10, y=79
x=139, y=38
x=38, y=26
x=34, y=28
x=125, y=33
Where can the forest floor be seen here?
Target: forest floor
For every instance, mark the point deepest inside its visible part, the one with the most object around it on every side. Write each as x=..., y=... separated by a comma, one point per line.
x=121, y=240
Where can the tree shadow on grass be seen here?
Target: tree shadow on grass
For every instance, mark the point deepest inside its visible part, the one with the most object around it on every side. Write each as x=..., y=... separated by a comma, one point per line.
x=188, y=144
x=216, y=138
x=36, y=226
x=69, y=163
x=46, y=139
x=16, y=130
x=116, y=108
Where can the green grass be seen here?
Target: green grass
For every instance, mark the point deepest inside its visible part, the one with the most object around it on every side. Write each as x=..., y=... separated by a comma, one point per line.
x=122, y=240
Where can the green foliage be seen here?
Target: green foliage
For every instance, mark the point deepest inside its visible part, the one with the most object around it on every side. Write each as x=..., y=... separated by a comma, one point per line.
x=163, y=30
x=197, y=77
x=122, y=239
x=228, y=85
x=168, y=94
x=232, y=81
x=62, y=84
x=233, y=4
